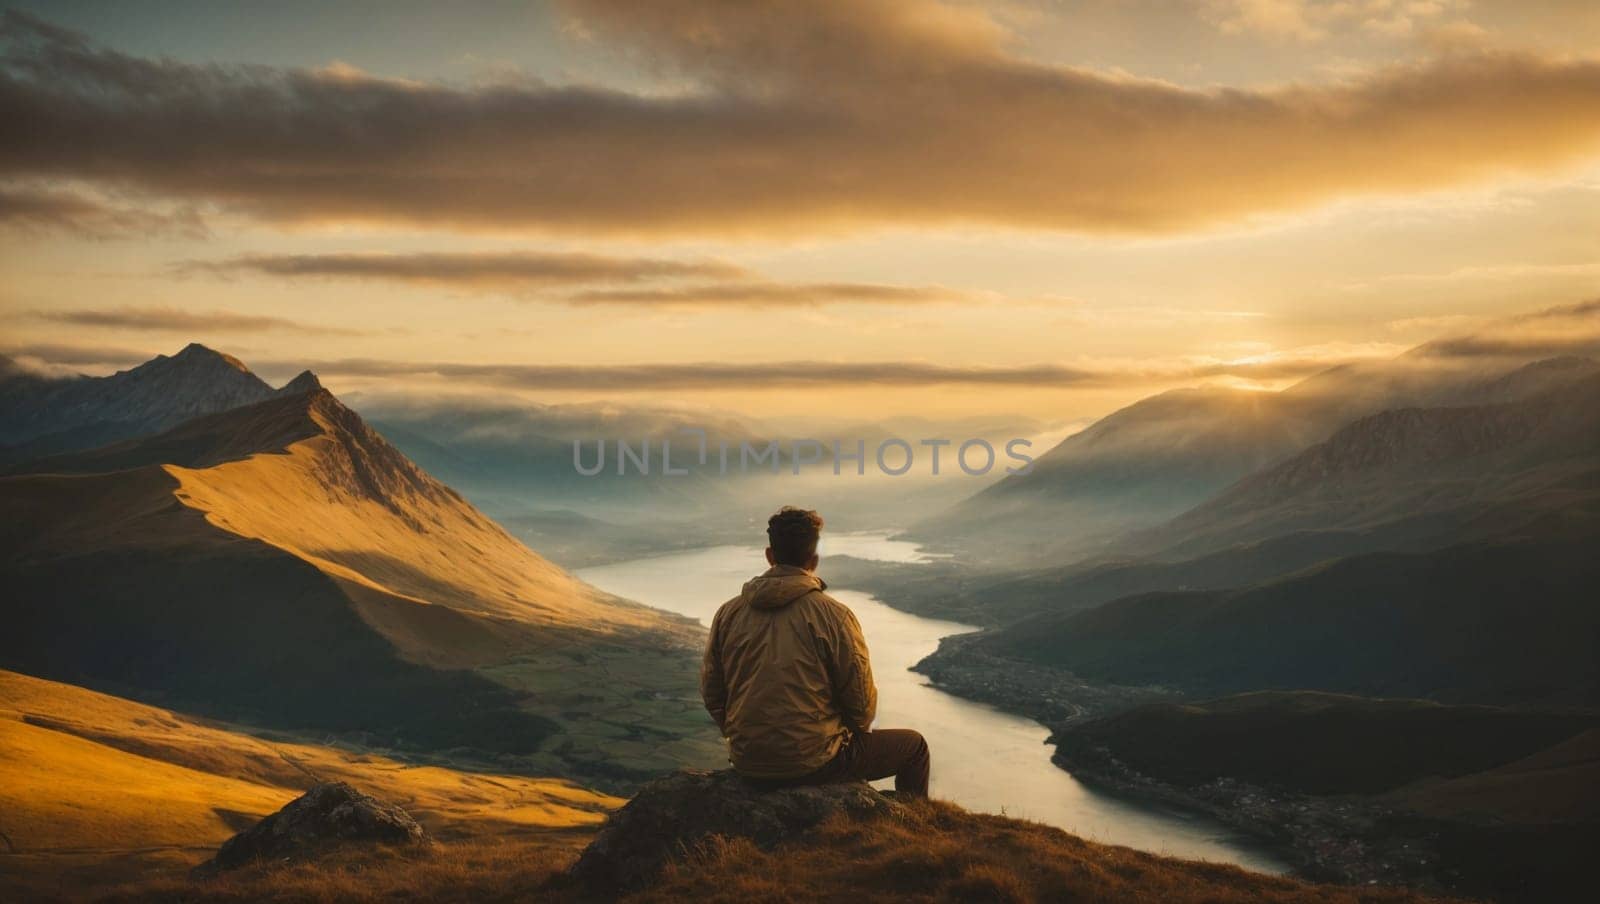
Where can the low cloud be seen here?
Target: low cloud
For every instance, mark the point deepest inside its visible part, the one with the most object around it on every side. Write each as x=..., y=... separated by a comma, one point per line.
x=482, y=271
x=772, y=294
x=815, y=117
x=1567, y=330
x=1314, y=20
x=33, y=209
x=528, y=274
x=56, y=357
x=174, y=320
x=1571, y=329
x=721, y=376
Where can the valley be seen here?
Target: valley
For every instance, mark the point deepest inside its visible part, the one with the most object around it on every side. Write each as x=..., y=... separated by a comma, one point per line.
x=281, y=572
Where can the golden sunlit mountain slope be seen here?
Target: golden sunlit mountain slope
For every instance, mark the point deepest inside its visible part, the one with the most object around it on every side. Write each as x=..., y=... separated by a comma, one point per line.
x=306, y=475
x=282, y=562
x=95, y=785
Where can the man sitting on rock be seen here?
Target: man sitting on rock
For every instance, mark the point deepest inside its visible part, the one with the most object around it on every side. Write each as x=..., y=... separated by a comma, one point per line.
x=787, y=677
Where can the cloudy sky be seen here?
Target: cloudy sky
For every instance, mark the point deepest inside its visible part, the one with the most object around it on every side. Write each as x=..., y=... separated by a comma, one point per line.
x=1046, y=207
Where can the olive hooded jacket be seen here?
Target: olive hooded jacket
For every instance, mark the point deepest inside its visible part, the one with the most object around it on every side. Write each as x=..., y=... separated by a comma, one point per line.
x=786, y=675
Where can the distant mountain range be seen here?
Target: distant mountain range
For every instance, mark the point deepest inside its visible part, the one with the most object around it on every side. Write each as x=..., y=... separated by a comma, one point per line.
x=1389, y=567
x=43, y=416
x=1404, y=613
x=1133, y=467
x=517, y=459
x=278, y=561
x=1404, y=462
x=514, y=459
x=1151, y=461
x=1433, y=552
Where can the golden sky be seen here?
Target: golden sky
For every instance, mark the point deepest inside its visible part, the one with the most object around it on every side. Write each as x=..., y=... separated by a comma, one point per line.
x=912, y=207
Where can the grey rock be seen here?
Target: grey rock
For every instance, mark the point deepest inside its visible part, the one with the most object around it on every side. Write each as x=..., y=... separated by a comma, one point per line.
x=671, y=815
x=329, y=815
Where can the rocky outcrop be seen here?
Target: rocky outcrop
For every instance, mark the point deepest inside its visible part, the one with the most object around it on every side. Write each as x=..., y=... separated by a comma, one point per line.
x=672, y=815
x=329, y=815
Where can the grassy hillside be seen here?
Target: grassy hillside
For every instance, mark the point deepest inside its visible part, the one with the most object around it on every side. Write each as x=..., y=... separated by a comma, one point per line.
x=1321, y=743
x=1559, y=783
x=95, y=788
x=100, y=796
x=281, y=563
x=115, y=585
x=1489, y=622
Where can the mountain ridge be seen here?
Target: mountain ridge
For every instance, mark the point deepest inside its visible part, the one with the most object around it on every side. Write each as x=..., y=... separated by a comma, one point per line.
x=1159, y=457
x=1403, y=461
x=48, y=416
x=286, y=545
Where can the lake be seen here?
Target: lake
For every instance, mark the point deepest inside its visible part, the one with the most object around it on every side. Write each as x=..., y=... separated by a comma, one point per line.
x=983, y=759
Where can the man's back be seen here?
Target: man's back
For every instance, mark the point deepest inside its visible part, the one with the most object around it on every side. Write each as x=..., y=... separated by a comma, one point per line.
x=786, y=675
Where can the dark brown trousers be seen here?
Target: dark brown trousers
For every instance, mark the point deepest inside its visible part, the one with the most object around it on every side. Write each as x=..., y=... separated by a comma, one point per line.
x=871, y=755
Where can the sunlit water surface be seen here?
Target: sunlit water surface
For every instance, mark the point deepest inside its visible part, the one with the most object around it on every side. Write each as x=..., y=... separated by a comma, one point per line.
x=983, y=759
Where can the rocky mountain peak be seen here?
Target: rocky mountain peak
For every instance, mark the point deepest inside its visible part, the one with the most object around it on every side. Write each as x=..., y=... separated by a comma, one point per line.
x=195, y=355
x=304, y=383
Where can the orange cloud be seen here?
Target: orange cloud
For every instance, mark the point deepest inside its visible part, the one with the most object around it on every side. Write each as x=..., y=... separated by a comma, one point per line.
x=806, y=117
x=36, y=209
x=771, y=294
x=175, y=320
x=470, y=270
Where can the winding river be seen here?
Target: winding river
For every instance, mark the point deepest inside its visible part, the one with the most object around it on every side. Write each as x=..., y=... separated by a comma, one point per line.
x=983, y=759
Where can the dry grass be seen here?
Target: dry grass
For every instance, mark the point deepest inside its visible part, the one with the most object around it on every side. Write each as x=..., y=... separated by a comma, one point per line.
x=105, y=798
x=468, y=872
x=95, y=789
x=941, y=853
x=346, y=501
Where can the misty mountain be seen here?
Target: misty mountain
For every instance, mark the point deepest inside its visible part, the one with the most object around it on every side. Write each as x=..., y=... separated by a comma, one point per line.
x=46, y=416
x=517, y=459
x=1153, y=460
x=1140, y=464
x=996, y=597
x=283, y=563
x=1403, y=463
x=1407, y=480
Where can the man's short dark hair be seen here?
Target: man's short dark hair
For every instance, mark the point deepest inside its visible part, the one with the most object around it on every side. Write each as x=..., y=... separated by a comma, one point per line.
x=793, y=533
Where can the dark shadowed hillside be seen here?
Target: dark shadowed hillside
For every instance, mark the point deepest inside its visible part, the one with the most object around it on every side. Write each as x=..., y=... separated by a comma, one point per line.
x=1486, y=622
x=1322, y=743
x=1488, y=801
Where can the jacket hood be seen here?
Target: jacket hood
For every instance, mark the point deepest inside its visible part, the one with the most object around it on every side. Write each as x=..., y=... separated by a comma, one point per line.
x=779, y=586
